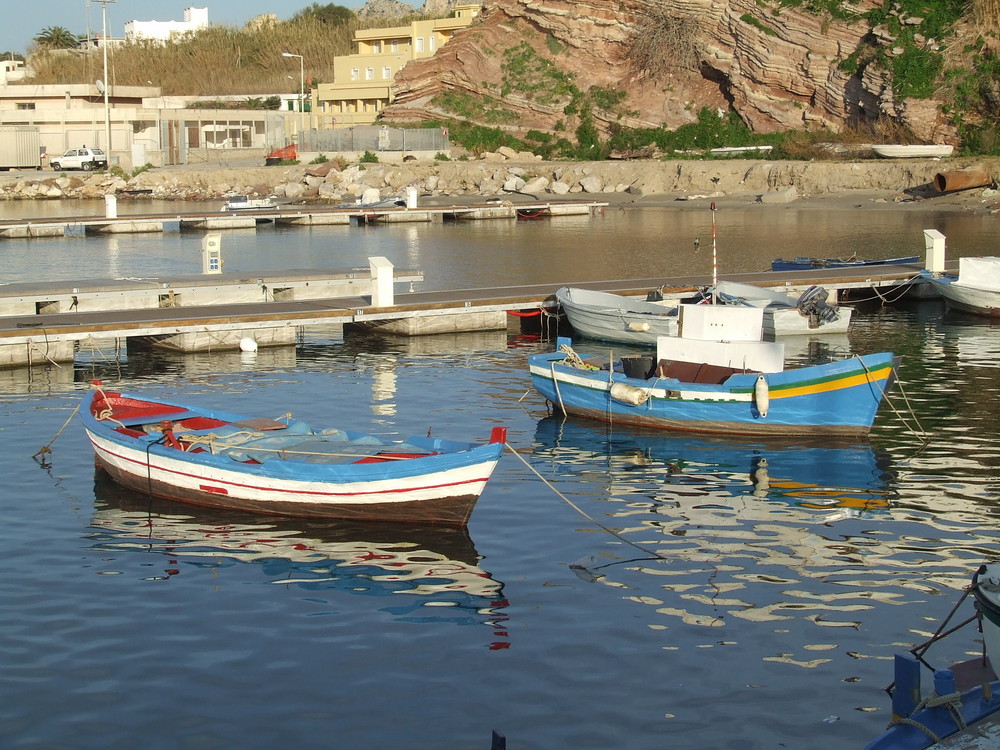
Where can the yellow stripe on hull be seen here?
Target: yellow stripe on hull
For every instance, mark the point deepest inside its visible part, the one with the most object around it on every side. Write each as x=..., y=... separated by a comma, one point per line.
x=850, y=381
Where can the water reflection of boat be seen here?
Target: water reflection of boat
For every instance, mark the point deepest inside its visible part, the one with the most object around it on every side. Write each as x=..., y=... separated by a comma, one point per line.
x=432, y=572
x=656, y=470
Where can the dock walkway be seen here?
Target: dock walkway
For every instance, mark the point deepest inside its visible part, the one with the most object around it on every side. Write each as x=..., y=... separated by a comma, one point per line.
x=220, y=311
x=289, y=215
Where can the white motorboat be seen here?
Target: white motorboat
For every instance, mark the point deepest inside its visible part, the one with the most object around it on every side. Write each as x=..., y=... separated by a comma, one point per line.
x=246, y=203
x=976, y=288
x=613, y=317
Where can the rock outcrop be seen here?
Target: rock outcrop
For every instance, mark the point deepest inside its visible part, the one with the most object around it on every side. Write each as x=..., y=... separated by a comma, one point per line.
x=501, y=175
x=777, y=66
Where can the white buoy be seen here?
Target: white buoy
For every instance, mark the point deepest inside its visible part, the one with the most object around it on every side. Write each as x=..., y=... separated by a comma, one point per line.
x=248, y=344
x=761, y=395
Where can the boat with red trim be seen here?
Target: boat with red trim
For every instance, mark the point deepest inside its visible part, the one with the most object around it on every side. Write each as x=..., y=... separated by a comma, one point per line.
x=283, y=466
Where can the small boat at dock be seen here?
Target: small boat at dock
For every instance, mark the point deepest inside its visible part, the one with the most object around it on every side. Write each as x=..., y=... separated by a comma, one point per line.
x=283, y=467
x=803, y=263
x=961, y=711
x=613, y=317
x=717, y=379
x=246, y=203
x=976, y=288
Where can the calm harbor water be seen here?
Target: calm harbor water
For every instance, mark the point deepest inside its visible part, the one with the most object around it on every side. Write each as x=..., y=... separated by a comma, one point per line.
x=615, y=588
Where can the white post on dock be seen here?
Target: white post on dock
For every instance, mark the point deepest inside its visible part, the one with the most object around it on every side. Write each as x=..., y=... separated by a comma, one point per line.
x=411, y=197
x=381, y=270
x=211, y=253
x=934, y=244
x=110, y=205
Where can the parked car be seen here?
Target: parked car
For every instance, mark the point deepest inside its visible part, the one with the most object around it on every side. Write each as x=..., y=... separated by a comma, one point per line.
x=81, y=158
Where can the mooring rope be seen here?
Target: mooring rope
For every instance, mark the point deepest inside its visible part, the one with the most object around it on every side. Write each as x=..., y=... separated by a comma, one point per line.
x=47, y=447
x=919, y=431
x=574, y=506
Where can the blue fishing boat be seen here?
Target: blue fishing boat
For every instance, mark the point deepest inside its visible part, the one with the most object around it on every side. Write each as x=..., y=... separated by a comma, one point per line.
x=960, y=711
x=215, y=459
x=724, y=390
x=804, y=263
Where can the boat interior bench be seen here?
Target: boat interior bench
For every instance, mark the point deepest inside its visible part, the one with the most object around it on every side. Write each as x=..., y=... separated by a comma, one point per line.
x=694, y=372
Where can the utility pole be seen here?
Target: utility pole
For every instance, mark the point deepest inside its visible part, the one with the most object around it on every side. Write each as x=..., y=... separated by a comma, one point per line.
x=302, y=92
x=107, y=85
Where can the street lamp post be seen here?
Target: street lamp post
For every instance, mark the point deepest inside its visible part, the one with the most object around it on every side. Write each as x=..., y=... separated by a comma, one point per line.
x=302, y=92
x=107, y=85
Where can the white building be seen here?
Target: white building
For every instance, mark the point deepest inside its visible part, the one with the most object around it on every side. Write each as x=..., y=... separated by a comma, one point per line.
x=164, y=31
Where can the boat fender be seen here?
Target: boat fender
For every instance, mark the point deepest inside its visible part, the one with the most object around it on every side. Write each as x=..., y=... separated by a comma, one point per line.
x=761, y=395
x=639, y=327
x=629, y=394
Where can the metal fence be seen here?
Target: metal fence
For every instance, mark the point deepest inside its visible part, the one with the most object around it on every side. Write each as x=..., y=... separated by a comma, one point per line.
x=375, y=139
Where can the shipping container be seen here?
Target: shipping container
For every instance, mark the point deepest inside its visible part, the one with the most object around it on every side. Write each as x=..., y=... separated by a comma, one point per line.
x=20, y=147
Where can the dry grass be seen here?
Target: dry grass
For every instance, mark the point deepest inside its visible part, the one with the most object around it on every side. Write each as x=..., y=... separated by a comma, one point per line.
x=219, y=60
x=986, y=16
x=663, y=42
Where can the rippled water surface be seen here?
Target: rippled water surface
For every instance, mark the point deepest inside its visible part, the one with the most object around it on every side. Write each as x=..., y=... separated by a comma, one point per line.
x=614, y=589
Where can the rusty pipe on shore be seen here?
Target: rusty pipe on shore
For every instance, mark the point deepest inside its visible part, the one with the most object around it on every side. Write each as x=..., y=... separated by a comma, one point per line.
x=961, y=179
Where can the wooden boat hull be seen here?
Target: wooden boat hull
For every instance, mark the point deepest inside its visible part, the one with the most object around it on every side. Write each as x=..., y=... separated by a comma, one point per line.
x=353, y=477
x=839, y=398
x=967, y=298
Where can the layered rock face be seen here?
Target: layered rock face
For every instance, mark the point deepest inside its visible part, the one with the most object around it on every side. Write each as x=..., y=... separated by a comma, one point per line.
x=777, y=67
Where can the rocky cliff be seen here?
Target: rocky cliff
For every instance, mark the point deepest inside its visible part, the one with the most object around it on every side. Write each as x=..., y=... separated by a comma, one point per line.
x=779, y=67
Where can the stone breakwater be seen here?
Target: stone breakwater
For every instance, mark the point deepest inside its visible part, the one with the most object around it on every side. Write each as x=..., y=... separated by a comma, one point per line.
x=325, y=183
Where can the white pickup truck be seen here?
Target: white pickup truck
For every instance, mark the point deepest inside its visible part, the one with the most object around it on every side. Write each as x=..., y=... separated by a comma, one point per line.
x=81, y=158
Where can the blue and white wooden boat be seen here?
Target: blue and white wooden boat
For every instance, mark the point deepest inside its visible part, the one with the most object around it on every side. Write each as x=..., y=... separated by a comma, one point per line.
x=215, y=459
x=960, y=711
x=717, y=386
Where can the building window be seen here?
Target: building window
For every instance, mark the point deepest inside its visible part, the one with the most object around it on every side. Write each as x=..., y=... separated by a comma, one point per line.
x=430, y=43
x=394, y=46
x=355, y=74
x=369, y=74
x=377, y=48
x=386, y=73
x=419, y=44
x=25, y=105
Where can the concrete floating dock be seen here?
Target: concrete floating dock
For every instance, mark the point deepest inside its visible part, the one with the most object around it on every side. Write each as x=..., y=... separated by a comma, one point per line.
x=217, y=312
x=289, y=216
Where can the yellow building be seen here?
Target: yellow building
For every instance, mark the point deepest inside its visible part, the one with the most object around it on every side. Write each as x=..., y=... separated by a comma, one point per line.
x=362, y=82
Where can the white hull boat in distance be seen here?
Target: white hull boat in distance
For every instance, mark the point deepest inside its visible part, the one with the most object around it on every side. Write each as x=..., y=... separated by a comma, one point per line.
x=283, y=467
x=917, y=151
x=975, y=290
x=246, y=203
x=961, y=711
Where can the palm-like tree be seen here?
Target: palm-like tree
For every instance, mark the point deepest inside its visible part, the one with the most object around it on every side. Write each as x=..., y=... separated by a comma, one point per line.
x=57, y=37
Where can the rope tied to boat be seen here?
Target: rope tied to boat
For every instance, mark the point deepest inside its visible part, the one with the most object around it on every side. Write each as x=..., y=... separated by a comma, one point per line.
x=951, y=701
x=918, y=430
x=572, y=359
